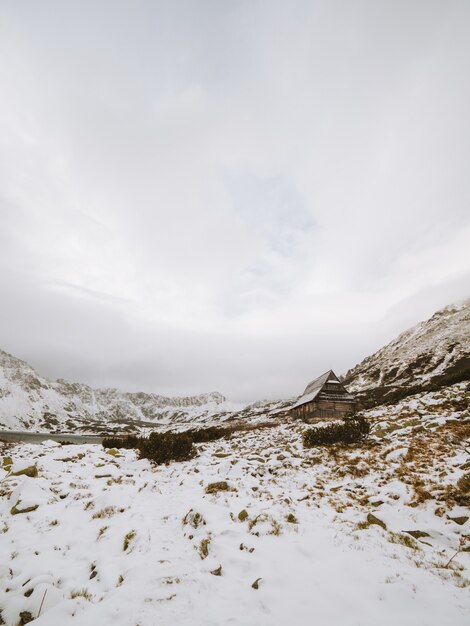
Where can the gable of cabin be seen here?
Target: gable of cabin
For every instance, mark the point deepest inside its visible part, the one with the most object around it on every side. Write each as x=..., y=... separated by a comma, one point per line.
x=324, y=397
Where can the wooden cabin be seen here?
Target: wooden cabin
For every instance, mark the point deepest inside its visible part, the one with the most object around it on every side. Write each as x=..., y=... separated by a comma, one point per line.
x=325, y=397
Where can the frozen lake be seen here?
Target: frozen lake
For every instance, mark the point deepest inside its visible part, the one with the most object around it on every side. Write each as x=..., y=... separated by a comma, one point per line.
x=13, y=435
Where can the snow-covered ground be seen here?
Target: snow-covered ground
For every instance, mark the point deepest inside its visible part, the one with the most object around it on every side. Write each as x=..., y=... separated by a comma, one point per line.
x=324, y=532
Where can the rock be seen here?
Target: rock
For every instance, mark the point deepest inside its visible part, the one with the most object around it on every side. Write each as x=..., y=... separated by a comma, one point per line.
x=291, y=519
x=50, y=443
x=128, y=538
x=217, y=571
x=396, y=455
x=25, y=618
x=460, y=520
x=372, y=519
x=31, y=472
x=417, y=534
x=28, y=496
x=243, y=515
x=219, y=486
x=243, y=547
x=15, y=510
x=204, y=548
x=255, y=585
x=194, y=519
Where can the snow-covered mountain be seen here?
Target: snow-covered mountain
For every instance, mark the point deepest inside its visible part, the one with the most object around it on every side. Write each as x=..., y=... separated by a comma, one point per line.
x=432, y=354
x=30, y=401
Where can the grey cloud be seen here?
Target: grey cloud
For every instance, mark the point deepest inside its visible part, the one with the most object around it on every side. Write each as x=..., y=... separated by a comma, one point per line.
x=220, y=195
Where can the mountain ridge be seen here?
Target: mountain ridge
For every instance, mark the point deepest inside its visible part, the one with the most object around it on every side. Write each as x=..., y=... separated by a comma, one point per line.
x=433, y=353
x=29, y=400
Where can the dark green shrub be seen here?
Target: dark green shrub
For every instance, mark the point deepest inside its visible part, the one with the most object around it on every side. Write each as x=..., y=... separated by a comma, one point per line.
x=165, y=447
x=130, y=441
x=211, y=433
x=350, y=431
x=157, y=447
x=197, y=435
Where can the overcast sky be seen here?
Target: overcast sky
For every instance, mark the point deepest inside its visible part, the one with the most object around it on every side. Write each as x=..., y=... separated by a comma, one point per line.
x=231, y=196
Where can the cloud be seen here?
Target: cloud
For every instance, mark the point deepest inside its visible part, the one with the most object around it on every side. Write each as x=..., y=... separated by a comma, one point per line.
x=238, y=196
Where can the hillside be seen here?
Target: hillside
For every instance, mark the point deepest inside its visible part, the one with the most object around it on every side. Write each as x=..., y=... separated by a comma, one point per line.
x=341, y=535
x=432, y=354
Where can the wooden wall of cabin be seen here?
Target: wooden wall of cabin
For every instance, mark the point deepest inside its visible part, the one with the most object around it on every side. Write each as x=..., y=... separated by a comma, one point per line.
x=323, y=409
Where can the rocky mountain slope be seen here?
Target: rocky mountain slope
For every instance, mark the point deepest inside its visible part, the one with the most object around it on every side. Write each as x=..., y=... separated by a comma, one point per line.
x=29, y=401
x=432, y=354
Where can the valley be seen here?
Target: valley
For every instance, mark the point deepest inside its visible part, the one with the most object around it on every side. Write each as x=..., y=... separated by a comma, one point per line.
x=253, y=528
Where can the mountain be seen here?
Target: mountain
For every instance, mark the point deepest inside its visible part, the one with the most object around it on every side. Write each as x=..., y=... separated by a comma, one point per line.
x=29, y=401
x=432, y=354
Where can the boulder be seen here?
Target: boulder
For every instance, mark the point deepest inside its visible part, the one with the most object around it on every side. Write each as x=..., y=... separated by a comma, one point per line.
x=219, y=486
x=372, y=519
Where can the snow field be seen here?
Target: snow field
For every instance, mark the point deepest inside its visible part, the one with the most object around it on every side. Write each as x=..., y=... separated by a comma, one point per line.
x=116, y=541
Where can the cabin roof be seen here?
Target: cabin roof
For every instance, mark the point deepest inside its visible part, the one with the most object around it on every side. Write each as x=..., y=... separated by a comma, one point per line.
x=314, y=388
x=318, y=383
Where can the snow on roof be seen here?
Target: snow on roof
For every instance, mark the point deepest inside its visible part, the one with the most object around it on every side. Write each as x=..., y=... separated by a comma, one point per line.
x=307, y=398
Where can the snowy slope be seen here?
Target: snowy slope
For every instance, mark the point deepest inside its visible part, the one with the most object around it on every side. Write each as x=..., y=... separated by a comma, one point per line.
x=431, y=354
x=306, y=534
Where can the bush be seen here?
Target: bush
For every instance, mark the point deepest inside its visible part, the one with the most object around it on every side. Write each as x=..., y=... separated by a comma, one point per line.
x=128, y=442
x=165, y=447
x=462, y=492
x=201, y=435
x=157, y=447
x=350, y=431
x=197, y=435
